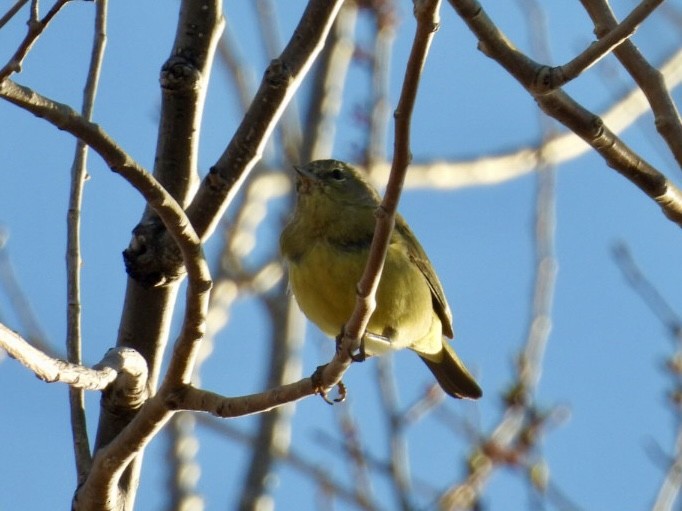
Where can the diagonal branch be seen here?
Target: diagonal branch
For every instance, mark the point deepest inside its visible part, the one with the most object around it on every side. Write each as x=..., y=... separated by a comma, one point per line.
x=647, y=77
x=618, y=33
x=562, y=107
x=280, y=82
x=426, y=14
x=35, y=28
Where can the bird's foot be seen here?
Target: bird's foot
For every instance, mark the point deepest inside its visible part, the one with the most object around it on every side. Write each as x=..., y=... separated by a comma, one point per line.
x=319, y=388
x=358, y=355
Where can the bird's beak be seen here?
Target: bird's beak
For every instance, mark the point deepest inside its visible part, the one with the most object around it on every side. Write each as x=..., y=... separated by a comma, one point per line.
x=305, y=180
x=304, y=173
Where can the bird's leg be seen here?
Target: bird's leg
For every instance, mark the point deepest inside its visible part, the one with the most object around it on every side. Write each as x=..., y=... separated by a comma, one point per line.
x=318, y=388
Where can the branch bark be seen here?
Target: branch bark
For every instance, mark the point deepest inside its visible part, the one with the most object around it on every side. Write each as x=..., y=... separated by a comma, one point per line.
x=559, y=105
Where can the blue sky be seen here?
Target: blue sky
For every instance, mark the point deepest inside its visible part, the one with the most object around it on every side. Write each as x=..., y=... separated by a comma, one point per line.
x=604, y=357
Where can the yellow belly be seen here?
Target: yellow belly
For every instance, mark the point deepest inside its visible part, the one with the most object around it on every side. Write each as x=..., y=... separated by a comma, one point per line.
x=324, y=282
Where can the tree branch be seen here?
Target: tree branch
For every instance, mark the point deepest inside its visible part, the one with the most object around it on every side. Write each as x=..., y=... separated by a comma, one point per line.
x=426, y=14
x=279, y=84
x=607, y=42
x=73, y=254
x=562, y=107
x=51, y=370
x=647, y=77
x=35, y=28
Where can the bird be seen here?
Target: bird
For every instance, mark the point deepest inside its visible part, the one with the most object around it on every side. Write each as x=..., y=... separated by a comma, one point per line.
x=325, y=245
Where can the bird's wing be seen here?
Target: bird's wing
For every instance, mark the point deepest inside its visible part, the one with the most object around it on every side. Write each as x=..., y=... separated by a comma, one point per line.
x=419, y=257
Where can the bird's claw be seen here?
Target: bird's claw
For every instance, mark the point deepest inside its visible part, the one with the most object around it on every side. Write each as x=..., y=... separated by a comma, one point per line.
x=358, y=356
x=319, y=388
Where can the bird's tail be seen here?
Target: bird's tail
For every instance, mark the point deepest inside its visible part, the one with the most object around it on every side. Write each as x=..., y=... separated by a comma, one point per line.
x=451, y=374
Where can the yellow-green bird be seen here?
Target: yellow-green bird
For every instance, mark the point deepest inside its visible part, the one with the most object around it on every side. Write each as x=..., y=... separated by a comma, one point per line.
x=326, y=244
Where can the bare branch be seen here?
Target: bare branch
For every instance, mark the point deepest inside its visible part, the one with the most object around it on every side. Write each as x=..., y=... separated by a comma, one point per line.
x=35, y=28
x=12, y=11
x=192, y=398
x=562, y=107
x=281, y=80
x=606, y=43
x=426, y=13
x=53, y=370
x=73, y=254
x=647, y=77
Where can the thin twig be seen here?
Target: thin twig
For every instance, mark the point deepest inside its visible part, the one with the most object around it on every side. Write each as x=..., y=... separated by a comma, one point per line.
x=426, y=13
x=35, y=28
x=647, y=77
x=11, y=12
x=73, y=253
x=604, y=45
x=566, y=110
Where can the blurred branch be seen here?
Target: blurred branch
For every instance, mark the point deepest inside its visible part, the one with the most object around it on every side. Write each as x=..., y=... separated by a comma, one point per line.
x=273, y=437
x=294, y=459
x=374, y=463
x=354, y=453
x=562, y=107
x=236, y=68
x=384, y=36
x=35, y=28
x=184, y=470
x=73, y=253
x=556, y=150
x=289, y=127
x=520, y=429
x=648, y=292
x=328, y=86
x=671, y=485
x=395, y=433
x=20, y=303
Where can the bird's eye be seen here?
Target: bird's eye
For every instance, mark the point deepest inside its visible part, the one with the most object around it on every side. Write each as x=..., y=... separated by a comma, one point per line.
x=337, y=174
